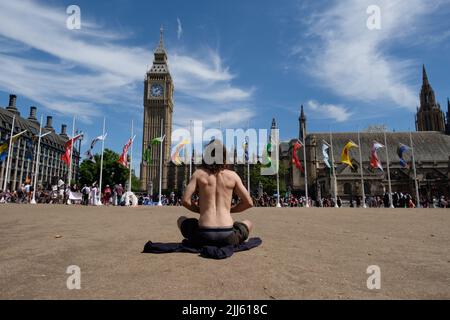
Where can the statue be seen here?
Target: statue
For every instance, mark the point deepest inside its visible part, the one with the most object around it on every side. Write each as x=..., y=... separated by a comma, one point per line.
x=260, y=189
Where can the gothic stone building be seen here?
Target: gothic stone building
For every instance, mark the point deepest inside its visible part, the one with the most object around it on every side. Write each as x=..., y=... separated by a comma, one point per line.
x=431, y=145
x=431, y=150
x=429, y=116
x=158, y=110
x=51, y=167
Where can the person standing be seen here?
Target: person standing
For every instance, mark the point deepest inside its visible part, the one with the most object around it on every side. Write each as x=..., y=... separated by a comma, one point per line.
x=106, y=195
x=339, y=202
x=118, y=189
x=85, y=191
x=94, y=194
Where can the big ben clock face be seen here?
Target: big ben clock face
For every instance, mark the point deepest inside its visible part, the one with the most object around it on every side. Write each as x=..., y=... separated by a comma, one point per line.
x=156, y=90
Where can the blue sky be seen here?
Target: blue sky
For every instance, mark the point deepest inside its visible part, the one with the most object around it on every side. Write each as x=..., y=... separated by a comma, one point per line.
x=232, y=61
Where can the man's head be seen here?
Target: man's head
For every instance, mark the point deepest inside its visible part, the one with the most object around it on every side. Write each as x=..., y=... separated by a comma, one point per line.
x=214, y=156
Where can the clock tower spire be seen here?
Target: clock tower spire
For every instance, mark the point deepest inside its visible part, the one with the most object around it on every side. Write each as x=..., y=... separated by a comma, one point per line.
x=158, y=107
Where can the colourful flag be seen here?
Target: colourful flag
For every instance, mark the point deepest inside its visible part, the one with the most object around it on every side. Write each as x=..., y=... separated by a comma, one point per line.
x=326, y=158
x=147, y=156
x=345, y=157
x=17, y=136
x=295, y=159
x=400, y=150
x=68, y=149
x=176, y=159
x=158, y=140
x=123, y=159
x=4, y=151
x=5, y=146
x=88, y=153
x=374, y=160
x=245, y=147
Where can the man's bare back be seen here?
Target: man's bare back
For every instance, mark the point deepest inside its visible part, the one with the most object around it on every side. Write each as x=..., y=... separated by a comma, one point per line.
x=215, y=193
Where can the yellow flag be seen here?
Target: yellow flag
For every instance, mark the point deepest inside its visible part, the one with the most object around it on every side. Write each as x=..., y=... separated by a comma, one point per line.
x=3, y=147
x=176, y=159
x=17, y=136
x=345, y=157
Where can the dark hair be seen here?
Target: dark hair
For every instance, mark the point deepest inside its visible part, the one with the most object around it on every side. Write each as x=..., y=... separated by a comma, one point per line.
x=214, y=165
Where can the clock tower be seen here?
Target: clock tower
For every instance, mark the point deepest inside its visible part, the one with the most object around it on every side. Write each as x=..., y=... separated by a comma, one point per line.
x=158, y=107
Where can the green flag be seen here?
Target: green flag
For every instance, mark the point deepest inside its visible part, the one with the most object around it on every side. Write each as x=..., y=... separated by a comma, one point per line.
x=147, y=156
x=157, y=140
x=268, y=156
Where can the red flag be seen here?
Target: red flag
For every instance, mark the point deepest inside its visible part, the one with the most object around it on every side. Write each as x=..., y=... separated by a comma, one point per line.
x=374, y=160
x=67, y=153
x=123, y=160
x=295, y=159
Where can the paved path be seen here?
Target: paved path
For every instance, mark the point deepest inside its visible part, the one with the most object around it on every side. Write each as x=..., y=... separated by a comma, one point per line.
x=306, y=253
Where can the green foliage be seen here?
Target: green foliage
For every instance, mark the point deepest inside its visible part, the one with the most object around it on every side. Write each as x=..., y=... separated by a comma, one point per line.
x=269, y=183
x=113, y=172
x=135, y=183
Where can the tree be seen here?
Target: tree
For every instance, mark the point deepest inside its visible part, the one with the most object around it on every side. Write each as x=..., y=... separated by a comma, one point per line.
x=113, y=172
x=269, y=183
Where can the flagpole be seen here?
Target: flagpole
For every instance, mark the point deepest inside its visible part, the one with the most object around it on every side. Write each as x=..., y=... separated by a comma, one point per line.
x=36, y=163
x=131, y=158
x=248, y=161
x=5, y=182
x=69, y=176
x=388, y=172
x=334, y=171
x=101, y=161
x=306, y=171
x=278, y=191
x=192, y=150
x=160, y=164
x=414, y=169
x=278, y=168
x=71, y=153
x=362, y=174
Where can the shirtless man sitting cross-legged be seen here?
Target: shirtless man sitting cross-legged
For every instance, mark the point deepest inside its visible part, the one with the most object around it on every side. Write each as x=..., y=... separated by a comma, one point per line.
x=215, y=185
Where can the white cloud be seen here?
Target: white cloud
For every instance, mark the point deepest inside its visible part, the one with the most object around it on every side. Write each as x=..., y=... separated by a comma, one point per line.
x=329, y=111
x=88, y=68
x=229, y=115
x=179, y=29
x=356, y=62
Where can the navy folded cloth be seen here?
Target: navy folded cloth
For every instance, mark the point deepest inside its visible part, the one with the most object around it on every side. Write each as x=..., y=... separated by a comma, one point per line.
x=211, y=252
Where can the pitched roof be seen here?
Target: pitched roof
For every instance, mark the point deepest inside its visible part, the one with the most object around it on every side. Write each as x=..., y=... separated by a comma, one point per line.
x=53, y=139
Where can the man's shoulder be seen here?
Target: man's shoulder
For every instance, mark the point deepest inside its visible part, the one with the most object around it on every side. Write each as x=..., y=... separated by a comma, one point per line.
x=199, y=172
x=229, y=171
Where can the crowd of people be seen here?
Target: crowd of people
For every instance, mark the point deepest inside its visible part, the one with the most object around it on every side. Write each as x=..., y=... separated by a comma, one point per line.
x=89, y=195
x=24, y=194
x=400, y=200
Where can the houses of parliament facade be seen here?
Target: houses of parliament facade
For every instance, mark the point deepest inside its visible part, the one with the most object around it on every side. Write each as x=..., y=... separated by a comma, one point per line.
x=431, y=142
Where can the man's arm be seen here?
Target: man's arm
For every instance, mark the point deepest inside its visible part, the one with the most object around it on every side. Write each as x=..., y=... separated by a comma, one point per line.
x=246, y=201
x=187, y=197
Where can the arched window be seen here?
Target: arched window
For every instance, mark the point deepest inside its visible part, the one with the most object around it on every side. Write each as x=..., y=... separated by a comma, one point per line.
x=347, y=188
